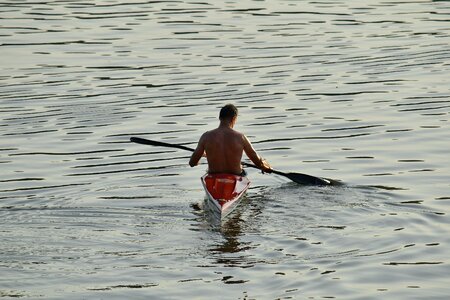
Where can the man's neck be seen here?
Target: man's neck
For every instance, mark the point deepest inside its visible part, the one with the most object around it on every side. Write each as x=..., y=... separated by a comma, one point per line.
x=226, y=124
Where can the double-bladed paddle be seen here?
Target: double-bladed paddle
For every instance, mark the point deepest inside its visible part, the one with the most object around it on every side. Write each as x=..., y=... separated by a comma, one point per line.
x=295, y=177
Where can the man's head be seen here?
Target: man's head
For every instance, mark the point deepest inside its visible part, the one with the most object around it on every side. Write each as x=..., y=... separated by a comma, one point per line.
x=228, y=113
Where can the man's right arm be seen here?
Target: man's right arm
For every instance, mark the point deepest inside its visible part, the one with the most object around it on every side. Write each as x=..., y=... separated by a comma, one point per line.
x=198, y=152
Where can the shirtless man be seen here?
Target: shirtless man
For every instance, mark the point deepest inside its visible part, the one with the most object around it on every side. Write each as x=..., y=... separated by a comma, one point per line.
x=223, y=147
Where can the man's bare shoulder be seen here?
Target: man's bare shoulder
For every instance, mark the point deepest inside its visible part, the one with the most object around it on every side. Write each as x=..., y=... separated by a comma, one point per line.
x=211, y=134
x=207, y=134
x=239, y=134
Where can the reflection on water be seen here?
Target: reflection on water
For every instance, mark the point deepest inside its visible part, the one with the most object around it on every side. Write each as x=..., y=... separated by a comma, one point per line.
x=347, y=90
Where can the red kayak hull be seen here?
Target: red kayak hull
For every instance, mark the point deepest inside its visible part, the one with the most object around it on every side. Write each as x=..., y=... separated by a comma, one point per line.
x=224, y=191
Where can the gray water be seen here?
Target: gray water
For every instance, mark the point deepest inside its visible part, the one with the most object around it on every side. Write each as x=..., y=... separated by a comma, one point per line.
x=352, y=90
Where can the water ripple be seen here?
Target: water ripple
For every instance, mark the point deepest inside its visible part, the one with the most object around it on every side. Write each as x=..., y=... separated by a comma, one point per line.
x=348, y=90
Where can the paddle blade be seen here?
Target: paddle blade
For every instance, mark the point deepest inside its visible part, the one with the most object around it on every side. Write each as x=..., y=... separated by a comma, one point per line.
x=306, y=179
x=143, y=141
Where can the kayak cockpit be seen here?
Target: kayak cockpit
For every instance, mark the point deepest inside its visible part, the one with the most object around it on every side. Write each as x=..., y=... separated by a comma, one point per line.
x=224, y=191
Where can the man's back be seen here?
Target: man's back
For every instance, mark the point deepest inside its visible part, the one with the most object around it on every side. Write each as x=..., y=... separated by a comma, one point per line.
x=224, y=147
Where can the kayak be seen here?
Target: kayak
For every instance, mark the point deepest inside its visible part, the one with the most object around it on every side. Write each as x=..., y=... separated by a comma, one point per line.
x=224, y=192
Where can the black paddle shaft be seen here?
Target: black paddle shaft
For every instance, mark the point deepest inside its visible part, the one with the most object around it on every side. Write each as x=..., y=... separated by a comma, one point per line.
x=160, y=144
x=300, y=178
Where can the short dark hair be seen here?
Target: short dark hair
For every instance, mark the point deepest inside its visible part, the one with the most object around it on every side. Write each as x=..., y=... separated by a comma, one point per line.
x=228, y=112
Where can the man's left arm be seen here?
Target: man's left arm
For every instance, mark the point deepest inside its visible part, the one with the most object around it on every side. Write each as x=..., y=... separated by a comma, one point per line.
x=254, y=156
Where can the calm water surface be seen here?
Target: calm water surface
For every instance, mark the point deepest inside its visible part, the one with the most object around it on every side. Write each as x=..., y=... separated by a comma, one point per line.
x=352, y=90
